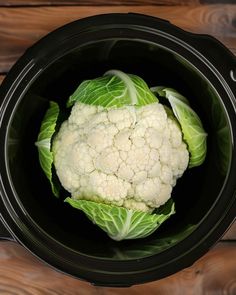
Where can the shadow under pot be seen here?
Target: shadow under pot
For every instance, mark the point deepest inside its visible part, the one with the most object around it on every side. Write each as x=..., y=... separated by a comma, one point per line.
x=198, y=66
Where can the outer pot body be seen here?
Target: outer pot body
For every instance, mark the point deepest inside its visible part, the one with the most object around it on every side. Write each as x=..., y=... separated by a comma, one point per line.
x=198, y=66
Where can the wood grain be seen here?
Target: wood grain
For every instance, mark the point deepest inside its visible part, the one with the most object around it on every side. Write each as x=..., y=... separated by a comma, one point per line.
x=20, y=27
x=231, y=233
x=1, y=78
x=95, y=2
x=217, y=1
x=18, y=3
x=23, y=274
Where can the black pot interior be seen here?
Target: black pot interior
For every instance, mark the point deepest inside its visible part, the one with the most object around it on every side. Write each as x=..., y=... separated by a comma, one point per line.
x=194, y=193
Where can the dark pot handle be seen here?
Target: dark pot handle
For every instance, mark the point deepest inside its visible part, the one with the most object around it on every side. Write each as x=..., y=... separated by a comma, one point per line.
x=209, y=48
x=4, y=233
x=218, y=54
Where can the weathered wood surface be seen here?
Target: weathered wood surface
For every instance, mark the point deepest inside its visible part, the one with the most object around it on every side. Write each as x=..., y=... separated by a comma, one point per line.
x=111, y=2
x=21, y=27
x=1, y=78
x=231, y=234
x=95, y=2
x=217, y=1
x=23, y=274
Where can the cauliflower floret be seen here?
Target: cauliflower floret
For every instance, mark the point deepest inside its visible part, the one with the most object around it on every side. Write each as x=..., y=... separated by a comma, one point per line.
x=175, y=135
x=81, y=114
x=154, y=139
x=138, y=158
x=78, y=162
x=101, y=136
x=148, y=190
x=123, y=117
x=125, y=172
x=122, y=140
x=108, y=161
x=152, y=115
x=139, y=177
x=99, y=186
x=166, y=175
x=128, y=157
x=135, y=205
x=155, y=171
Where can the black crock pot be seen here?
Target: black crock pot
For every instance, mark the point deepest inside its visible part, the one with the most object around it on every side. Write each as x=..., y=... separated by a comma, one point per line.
x=198, y=66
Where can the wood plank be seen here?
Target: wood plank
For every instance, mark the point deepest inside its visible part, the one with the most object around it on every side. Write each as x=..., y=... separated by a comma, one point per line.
x=231, y=233
x=16, y=3
x=21, y=273
x=95, y=2
x=20, y=27
x=217, y=2
x=1, y=78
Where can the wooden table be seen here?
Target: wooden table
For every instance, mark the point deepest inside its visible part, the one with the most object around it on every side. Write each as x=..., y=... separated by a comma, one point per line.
x=22, y=23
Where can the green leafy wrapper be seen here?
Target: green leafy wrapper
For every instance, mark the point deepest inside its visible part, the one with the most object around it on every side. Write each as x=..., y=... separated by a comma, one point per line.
x=44, y=145
x=114, y=89
x=121, y=223
x=191, y=125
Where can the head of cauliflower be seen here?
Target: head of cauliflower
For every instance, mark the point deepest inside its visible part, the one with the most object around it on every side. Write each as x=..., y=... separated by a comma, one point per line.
x=128, y=156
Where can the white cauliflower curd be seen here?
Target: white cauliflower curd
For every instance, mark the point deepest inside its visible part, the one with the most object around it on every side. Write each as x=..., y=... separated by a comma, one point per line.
x=129, y=156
